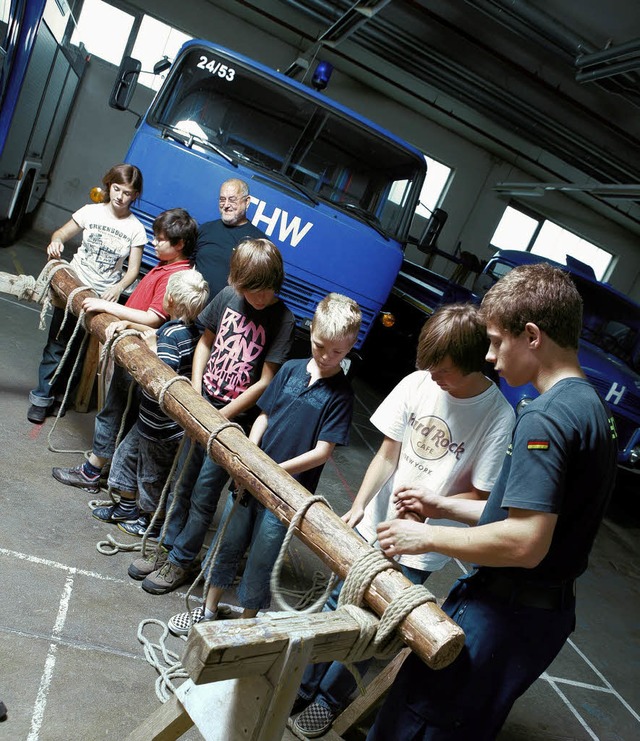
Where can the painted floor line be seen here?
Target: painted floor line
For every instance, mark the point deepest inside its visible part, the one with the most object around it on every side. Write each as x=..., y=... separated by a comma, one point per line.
x=50, y=662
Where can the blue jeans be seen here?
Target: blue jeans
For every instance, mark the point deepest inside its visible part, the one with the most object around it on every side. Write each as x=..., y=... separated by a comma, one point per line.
x=330, y=683
x=250, y=525
x=44, y=394
x=196, y=499
x=507, y=647
x=109, y=418
x=142, y=465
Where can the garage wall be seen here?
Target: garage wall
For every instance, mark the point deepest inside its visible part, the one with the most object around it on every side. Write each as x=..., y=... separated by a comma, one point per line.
x=98, y=137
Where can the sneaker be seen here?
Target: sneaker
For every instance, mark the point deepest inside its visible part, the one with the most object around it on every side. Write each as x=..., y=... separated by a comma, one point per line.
x=299, y=704
x=77, y=477
x=145, y=565
x=180, y=624
x=141, y=526
x=37, y=415
x=315, y=721
x=115, y=513
x=166, y=579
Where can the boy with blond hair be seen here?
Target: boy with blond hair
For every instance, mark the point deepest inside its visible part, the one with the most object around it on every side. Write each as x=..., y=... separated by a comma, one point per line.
x=305, y=413
x=248, y=334
x=142, y=461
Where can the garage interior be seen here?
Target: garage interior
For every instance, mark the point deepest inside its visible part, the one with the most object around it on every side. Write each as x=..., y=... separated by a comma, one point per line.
x=533, y=104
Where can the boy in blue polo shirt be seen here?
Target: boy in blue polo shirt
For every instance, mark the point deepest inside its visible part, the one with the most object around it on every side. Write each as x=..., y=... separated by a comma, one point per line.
x=305, y=412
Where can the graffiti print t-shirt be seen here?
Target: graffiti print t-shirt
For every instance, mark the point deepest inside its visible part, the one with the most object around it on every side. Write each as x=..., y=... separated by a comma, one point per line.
x=448, y=446
x=106, y=244
x=244, y=339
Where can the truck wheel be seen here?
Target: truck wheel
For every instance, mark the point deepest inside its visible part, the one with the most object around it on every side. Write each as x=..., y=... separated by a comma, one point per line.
x=10, y=228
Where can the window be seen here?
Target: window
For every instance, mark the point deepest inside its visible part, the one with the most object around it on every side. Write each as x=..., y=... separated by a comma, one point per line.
x=155, y=40
x=529, y=232
x=107, y=33
x=104, y=30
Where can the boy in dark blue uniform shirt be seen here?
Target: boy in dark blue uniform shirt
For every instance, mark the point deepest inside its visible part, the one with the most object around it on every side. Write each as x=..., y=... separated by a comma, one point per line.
x=305, y=412
x=533, y=535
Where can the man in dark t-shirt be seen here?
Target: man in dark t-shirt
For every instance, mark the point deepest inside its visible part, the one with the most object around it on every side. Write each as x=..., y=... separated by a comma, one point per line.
x=529, y=542
x=217, y=239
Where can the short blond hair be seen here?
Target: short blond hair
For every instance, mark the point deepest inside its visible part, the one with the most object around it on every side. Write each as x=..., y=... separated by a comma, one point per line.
x=337, y=317
x=190, y=293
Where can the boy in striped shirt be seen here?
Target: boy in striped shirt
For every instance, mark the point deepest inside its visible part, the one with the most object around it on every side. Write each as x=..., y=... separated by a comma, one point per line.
x=143, y=460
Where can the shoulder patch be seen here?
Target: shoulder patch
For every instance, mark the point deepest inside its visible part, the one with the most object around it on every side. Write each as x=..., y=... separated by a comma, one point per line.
x=538, y=445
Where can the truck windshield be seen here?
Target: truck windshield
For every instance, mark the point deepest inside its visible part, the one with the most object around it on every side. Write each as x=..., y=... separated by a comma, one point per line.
x=224, y=105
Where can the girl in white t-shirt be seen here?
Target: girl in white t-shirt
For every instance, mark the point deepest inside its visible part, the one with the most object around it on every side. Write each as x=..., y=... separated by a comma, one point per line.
x=111, y=235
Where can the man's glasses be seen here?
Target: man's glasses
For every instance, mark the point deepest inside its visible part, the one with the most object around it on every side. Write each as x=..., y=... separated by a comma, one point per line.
x=231, y=201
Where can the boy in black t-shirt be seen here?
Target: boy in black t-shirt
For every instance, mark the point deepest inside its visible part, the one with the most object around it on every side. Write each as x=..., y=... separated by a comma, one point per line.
x=248, y=334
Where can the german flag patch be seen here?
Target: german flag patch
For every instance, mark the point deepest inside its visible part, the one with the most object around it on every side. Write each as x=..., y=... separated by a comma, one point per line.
x=538, y=445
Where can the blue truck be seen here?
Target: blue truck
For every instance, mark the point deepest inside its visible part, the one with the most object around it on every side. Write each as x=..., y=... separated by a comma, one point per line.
x=335, y=192
x=609, y=346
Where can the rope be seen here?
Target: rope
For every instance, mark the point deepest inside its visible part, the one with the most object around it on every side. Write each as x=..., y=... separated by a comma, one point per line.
x=165, y=388
x=276, y=593
x=44, y=281
x=171, y=670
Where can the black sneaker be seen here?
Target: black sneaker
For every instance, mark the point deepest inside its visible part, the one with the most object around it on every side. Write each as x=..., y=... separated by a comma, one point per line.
x=77, y=477
x=37, y=415
x=115, y=513
x=315, y=721
x=141, y=526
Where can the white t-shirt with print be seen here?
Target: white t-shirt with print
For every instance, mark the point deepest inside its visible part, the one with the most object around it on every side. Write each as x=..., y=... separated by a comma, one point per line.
x=106, y=243
x=448, y=445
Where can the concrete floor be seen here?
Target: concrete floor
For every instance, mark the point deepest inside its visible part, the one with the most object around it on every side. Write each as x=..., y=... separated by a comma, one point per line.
x=71, y=665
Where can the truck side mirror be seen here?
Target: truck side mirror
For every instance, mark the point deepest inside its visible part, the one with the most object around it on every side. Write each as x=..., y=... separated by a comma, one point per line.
x=125, y=83
x=432, y=230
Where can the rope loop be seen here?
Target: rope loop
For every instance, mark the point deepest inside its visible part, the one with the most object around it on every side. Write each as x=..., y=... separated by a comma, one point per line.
x=168, y=671
x=276, y=592
x=214, y=434
x=111, y=546
x=166, y=386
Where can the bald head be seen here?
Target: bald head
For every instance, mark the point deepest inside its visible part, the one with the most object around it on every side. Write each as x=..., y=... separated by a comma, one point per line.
x=233, y=202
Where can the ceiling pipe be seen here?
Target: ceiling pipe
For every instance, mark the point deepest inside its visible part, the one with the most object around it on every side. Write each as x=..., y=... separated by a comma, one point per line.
x=533, y=23
x=609, y=55
x=608, y=70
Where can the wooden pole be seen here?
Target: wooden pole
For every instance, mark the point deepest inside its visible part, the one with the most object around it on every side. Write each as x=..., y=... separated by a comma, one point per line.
x=427, y=630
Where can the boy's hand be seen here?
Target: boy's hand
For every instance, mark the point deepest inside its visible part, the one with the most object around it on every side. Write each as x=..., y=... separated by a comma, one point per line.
x=92, y=304
x=416, y=502
x=353, y=516
x=115, y=328
x=151, y=339
x=111, y=293
x=397, y=537
x=55, y=249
